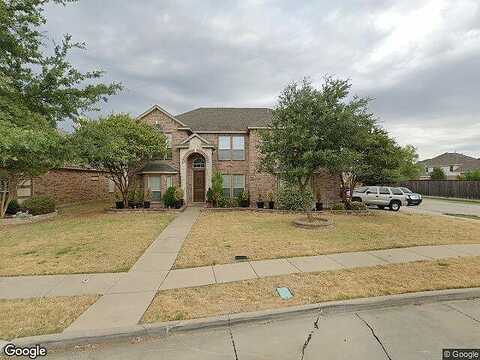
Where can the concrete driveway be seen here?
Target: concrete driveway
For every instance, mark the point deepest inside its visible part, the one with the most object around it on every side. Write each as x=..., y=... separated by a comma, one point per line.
x=411, y=332
x=443, y=206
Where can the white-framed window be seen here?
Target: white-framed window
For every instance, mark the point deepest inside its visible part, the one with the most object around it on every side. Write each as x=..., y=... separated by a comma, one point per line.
x=168, y=153
x=169, y=181
x=238, y=145
x=231, y=147
x=199, y=163
x=233, y=185
x=111, y=186
x=224, y=148
x=155, y=185
x=227, y=185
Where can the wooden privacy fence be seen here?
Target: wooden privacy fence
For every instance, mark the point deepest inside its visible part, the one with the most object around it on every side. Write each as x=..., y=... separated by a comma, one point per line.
x=448, y=188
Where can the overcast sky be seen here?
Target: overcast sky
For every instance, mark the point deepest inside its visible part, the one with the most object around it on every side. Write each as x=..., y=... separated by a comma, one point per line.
x=419, y=60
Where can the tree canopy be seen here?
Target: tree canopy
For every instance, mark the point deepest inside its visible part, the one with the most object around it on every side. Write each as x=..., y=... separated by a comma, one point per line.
x=328, y=128
x=438, y=174
x=120, y=145
x=34, y=82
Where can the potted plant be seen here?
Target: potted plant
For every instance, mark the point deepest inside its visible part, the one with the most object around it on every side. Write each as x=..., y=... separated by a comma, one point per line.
x=119, y=201
x=210, y=197
x=147, y=198
x=319, y=203
x=139, y=197
x=178, y=197
x=131, y=199
x=242, y=199
x=260, y=202
x=271, y=202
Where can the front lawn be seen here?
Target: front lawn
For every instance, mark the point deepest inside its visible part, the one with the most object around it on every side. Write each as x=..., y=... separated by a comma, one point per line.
x=218, y=236
x=82, y=239
x=310, y=288
x=29, y=317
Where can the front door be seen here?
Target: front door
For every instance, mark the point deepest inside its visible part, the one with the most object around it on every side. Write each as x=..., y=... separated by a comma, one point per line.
x=198, y=185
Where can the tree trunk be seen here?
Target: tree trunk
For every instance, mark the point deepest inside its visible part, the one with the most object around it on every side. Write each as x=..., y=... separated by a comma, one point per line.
x=307, y=208
x=11, y=189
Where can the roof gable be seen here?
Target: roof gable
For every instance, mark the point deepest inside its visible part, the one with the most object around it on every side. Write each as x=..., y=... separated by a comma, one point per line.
x=447, y=159
x=158, y=108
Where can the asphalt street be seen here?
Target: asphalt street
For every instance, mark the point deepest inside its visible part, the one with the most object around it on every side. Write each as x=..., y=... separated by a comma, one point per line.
x=444, y=206
x=412, y=332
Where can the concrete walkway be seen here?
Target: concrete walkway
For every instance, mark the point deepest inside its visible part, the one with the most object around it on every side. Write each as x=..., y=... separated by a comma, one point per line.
x=127, y=299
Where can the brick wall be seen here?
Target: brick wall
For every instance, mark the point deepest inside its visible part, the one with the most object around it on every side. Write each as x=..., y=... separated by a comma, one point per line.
x=67, y=186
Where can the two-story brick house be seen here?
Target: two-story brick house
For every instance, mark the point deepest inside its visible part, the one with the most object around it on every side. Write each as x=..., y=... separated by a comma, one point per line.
x=206, y=140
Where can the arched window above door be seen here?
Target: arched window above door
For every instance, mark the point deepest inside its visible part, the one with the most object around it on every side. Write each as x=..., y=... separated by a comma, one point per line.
x=199, y=163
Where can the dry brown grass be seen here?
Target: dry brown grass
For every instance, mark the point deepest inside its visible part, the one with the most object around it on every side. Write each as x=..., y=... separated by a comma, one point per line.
x=29, y=317
x=309, y=288
x=81, y=239
x=217, y=237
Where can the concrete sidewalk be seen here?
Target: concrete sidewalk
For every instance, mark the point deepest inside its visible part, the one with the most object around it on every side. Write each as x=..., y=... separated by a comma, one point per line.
x=125, y=302
x=152, y=271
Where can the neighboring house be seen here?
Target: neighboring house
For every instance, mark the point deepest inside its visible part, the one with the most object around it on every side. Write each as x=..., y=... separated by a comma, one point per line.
x=452, y=164
x=206, y=140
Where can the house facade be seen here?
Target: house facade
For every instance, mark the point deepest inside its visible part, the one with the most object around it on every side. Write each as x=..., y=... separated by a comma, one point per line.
x=452, y=164
x=206, y=140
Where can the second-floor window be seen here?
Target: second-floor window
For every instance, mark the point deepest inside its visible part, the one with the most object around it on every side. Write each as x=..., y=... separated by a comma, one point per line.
x=231, y=148
x=168, y=153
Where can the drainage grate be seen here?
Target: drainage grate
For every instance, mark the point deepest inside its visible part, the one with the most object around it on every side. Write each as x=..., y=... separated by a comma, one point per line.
x=241, y=258
x=285, y=293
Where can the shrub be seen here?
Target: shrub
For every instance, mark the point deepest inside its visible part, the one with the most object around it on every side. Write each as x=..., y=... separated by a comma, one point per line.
x=39, y=205
x=178, y=193
x=232, y=202
x=438, y=174
x=217, y=188
x=210, y=195
x=222, y=201
x=338, y=206
x=356, y=205
x=472, y=175
x=242, y=198
x=13, y=207
x=291, y=198
x=169, y=199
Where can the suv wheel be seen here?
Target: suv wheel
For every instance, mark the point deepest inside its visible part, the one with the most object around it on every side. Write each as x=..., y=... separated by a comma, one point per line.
x=395, y=205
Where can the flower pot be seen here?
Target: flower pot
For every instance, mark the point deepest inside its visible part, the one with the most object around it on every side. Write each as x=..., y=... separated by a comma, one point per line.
x=319, y=206
x=260, y=204
x=271, y=204
x=119, y=204
x=244, y=203
x=132, y=204
x=178, y=204
x=146, y=204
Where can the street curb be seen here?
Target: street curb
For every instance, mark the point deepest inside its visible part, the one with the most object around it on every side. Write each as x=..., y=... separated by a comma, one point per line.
x=71, y=338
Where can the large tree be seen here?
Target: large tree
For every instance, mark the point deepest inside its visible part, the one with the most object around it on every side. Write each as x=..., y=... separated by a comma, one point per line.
x=120, y=145
x=327, y=128
x=26, y=152
x=31, y=79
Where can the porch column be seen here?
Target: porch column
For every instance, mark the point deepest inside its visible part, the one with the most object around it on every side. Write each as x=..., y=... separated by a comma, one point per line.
x=183, y=171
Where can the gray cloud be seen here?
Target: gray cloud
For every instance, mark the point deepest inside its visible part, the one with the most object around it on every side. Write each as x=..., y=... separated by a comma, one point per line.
x=418, y=59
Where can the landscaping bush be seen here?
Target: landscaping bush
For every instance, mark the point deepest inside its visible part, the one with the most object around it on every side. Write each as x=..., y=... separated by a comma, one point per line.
x=355, y=205
x=39, y=205
x=291, y=198
x=242, y=199
x=222, y=201
x=338, y=206
x=13, y=207
x=169, y=198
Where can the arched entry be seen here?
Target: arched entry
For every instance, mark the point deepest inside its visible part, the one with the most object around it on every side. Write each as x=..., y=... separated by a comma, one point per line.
x=196, y=165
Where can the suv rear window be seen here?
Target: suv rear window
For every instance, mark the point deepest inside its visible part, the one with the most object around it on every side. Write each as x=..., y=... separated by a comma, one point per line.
x=361, y=189
x=385, y=191
x=397, y=191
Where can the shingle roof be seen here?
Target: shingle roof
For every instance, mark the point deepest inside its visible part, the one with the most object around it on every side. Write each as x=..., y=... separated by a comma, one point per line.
x=159, y=166
x=447, y=159
x=225, y=119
